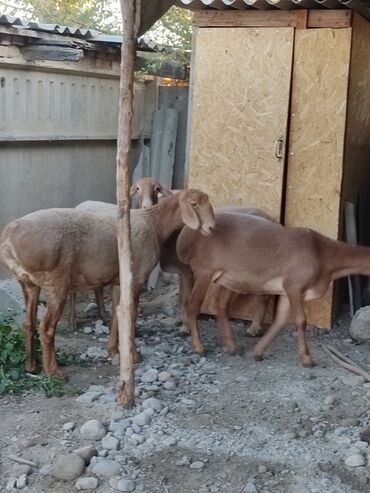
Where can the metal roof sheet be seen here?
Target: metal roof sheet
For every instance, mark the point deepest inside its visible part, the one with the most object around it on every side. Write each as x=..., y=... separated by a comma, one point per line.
x=362, y=6
x=144, y=43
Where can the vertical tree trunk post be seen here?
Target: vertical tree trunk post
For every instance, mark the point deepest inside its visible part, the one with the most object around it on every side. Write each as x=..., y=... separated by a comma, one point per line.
x=125, y=310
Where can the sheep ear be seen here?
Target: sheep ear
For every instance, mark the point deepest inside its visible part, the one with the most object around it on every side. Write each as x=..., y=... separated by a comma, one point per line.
x=165, y=191
x=132, y=190
x=189, y=216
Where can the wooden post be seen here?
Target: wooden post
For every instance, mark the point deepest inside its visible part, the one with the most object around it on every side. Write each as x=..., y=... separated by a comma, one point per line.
x=125, y=310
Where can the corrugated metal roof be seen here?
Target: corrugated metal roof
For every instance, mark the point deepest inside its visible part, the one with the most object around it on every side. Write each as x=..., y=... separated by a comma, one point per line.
x=362, y=6
x=144, y=43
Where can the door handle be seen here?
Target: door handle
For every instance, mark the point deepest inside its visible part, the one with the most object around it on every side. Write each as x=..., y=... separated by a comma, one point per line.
x=279, y=147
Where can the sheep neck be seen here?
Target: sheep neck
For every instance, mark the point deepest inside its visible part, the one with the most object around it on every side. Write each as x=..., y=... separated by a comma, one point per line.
x=345, y=260
x=166, y=217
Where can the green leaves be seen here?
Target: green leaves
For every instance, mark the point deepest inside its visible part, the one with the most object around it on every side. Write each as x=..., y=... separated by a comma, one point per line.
x=13, y=379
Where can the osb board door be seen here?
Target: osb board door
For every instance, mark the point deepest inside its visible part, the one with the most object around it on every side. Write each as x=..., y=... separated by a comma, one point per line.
x=316, y=140
x=240, y=100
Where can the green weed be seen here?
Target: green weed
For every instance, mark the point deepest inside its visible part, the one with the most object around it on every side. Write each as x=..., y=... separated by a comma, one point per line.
x=13, y=379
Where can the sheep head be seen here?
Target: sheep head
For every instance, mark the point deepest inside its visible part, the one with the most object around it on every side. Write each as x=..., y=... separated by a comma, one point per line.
x=148, y=191
x=196, y=211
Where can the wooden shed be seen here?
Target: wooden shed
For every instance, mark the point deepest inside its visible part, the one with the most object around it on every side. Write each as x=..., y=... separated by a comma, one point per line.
x=280, y=114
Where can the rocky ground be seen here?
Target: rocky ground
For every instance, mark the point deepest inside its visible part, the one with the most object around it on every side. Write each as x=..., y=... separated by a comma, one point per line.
x=201, y=424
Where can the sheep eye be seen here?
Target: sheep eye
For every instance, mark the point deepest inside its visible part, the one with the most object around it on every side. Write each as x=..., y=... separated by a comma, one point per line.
x=194, y=204
x=138, y=189
x=157, y=189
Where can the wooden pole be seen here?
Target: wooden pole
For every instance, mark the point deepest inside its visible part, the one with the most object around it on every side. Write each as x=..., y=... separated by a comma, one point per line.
x=125, y=310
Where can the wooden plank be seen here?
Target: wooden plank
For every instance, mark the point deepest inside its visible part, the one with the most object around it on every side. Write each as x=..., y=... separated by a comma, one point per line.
x=177, y=97
x=238, y=112
x=316, y=140
x=356, y=161
x=329, y=18
x=248, y=18
x=163, y=145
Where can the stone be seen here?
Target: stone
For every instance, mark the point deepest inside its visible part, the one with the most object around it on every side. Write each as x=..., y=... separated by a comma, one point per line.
x=94, y=352
x=21, y=482
x=171, y=385
x=87, y=330
x=250, y=487
x=330, y=400
x=86, y=453
x=164, y=376
x=68, y=426
x=68, y=467
x=197, y=465
x=126, y=485
x=109, y=442
x=91, y=307
x=11, y=484
x=93, y=430
x=88, y=483
x=119, y=426
x=353, y=380
x=184, y=461
x=169, y=441
x=262, y=469
x=89, y=396
x=360, y=325
x=136, y=439
x=142, y=419
x=106, y=468
x=149, y=376
x=355, y=460
x=100, y=328
x=153, y=403
x=46, y=469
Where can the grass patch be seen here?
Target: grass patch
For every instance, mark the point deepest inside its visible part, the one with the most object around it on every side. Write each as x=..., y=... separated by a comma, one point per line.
x=13, y=379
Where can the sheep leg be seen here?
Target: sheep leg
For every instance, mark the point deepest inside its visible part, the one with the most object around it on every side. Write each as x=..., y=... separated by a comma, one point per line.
x=48, y=326
x=72, y=311
x=299, y=317
x=223, y=298
x=102, y=312
x=255, y=328
x=31, y=297
x=280, y=320
x=197, y=296
x=112, y=346
x=186, y=286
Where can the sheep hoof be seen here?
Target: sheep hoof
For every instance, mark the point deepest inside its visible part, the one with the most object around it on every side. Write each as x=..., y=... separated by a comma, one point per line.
x=57, y=373
x=199, y=349
x=184, y=331
x=233, y=350
x=308, y=364
x=254, y=331
x=258, y=357
x=31, y=367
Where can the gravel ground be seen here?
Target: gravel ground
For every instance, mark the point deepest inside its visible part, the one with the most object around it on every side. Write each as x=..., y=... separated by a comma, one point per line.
x=218, y=423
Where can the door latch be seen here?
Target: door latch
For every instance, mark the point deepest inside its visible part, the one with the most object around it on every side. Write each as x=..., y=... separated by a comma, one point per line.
x=279, y=147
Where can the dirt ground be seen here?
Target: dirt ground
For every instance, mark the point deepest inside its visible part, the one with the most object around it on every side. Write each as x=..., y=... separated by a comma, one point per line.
x=270, y=426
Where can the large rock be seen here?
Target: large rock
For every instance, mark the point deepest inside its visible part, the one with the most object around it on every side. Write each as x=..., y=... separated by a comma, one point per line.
x=68, y=467
x=88, y=483
x=126, y=485
x=93, y=430
x=106, y=468
x=360, y=325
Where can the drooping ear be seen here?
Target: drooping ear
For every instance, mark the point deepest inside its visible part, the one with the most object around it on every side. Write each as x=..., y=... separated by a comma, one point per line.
x=165, y=191
x=133, y=190
x=189, y=216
